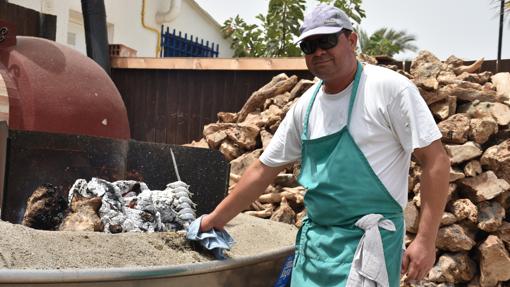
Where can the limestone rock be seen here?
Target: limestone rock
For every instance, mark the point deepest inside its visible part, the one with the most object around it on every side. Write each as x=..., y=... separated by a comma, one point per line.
x=453, y=62
x=239, y=165
x=230, y=150
x=425, y=69
x=456, y=174
x=500, y=112
x=446, y=77
x=244, y=135
x=480, y=78
x=469, y=68
x=468, y=92
x=454, y=238
x=455, y=129
x=202, y=143
x=448, y=219
x=494, y=263
x=484, y=187
x=464, y=209
x=461, y=153
x=504, y=200
x=255, y=118
x=411, y=217
x=441, y=109
x=300, y=88
x=497, y=159
x=272, y=115
x=278, y=85
x=453, y=268
x=504, y=232
x=490, y=216
x=473, y=168
x=452, y=102
x=279, y=100
x=502, y=83
x=482, y=129
x=265, y=137
x=225, y=117
x=284, y=213
x=432, y=97
x=214, y=140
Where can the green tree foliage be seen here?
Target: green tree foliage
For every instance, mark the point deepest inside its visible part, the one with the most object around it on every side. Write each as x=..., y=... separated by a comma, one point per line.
x=386, y=42
x=273, y=38
x=352, y=8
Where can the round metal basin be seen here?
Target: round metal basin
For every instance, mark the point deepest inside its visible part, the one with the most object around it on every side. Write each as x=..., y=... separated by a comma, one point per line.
x=260, y=270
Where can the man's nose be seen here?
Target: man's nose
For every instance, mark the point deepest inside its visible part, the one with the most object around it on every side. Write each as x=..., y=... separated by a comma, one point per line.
x=319, y=51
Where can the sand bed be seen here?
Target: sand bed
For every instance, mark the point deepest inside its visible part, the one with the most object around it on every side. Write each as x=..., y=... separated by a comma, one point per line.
x=22, y=247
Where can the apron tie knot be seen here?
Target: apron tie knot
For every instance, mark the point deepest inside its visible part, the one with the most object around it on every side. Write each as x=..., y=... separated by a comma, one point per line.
x=368, y=266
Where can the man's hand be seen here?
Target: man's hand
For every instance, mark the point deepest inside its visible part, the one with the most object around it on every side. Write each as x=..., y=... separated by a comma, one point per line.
x=206, y=224
x=418, y=259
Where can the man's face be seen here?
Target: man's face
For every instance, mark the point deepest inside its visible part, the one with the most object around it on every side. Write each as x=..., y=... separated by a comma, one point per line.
x=334, y=62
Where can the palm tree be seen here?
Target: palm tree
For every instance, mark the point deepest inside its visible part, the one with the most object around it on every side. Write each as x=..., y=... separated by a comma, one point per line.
x=386, y=41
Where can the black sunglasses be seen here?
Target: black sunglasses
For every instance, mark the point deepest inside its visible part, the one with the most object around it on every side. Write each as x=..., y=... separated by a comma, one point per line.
x=324, y=42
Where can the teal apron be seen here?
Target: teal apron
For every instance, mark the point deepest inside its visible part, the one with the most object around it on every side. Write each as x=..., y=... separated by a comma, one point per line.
x=342, y=188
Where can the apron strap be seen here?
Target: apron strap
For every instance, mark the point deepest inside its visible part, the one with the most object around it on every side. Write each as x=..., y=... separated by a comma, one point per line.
x=354, y=91
x=309, y=109
x=351, y=100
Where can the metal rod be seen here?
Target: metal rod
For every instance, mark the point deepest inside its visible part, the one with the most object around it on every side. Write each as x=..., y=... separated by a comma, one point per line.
x=175, y=165
x=500, y=39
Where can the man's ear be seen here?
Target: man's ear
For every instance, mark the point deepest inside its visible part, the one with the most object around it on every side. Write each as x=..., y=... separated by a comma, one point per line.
x=353, y=39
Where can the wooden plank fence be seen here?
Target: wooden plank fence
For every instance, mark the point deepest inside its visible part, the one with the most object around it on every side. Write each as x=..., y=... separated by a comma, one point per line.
x=29, y=22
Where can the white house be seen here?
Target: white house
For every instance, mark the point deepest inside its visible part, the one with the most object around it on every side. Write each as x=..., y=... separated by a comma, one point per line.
x=134, y=23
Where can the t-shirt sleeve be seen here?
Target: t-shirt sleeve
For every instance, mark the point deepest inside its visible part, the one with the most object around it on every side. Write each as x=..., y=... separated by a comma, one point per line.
x=285, y=146
x=412, y=120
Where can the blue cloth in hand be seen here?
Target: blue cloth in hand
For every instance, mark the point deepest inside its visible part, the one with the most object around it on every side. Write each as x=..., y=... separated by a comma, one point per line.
x=215, y=240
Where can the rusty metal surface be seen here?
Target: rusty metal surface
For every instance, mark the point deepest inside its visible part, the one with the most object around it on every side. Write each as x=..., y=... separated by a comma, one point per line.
x=36, y=158
x=172, y=106
x=29, y=22
x=59, y=90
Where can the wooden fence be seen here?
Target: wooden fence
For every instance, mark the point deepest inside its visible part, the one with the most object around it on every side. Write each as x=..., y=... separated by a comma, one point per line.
x=29, y=22
x=173, y=105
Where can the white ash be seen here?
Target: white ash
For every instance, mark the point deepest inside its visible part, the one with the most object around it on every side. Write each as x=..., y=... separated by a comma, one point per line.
x=129, y=205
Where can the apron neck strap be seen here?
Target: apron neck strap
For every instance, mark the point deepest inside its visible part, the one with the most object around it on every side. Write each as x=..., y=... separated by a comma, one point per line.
x=351, y=100
x=354, y=91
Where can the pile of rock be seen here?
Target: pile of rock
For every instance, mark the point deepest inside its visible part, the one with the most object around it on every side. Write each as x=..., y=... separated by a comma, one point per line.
x=473, y=114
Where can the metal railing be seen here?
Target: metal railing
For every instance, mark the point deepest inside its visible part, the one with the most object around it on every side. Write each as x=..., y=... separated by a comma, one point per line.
x=175, y=45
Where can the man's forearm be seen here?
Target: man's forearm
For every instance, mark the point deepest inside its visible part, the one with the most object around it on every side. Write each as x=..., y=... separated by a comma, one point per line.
x=251, y=185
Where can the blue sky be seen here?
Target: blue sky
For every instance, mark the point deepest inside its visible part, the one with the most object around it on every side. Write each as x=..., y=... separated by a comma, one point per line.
x=465, y=28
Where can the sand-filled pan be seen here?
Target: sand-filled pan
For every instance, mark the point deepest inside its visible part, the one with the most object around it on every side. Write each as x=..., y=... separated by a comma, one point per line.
x=256, y=270
x=31, y=257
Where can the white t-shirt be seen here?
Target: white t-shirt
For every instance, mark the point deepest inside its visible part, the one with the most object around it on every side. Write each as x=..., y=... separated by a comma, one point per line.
x=389, y=120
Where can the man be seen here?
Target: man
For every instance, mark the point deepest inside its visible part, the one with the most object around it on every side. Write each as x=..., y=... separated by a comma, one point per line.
x=354, y=132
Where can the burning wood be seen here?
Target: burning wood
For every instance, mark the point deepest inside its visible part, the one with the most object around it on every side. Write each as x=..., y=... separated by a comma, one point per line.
x=121, y=206
x=45, y=208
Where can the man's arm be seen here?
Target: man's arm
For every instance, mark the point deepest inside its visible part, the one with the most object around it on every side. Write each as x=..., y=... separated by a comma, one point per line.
x=251, y=185
x=421, y=254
